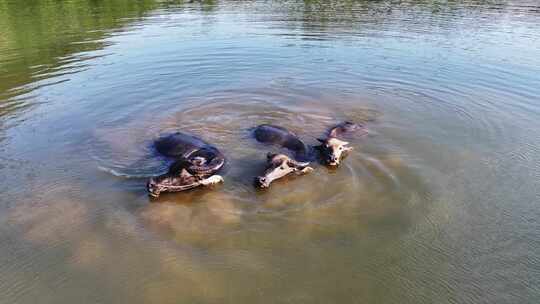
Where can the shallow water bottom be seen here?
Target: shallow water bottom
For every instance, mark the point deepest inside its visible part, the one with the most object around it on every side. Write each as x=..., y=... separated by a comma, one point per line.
x=230, y=241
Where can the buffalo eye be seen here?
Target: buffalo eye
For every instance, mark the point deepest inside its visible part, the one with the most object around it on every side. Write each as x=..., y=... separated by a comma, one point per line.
x=282, y=168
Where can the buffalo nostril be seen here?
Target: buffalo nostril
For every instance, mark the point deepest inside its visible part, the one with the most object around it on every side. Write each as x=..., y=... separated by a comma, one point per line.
x=261, y=182
x=151, y=187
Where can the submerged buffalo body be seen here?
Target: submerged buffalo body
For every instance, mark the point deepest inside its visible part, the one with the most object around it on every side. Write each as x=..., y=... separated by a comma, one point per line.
x=279, y=136
x=196, y=163
x=331, y=150
x=280, y=165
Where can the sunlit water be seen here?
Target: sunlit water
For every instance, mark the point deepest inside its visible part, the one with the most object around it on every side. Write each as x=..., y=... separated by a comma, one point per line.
x=439, y=204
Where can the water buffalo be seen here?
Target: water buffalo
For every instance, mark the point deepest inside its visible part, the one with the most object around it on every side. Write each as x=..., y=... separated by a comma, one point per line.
x=331, y=150
x=196, y=164
x=280, y=165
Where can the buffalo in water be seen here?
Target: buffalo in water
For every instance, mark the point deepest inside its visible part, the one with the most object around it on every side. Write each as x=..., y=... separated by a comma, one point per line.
x=330, y=152
x=196, y=164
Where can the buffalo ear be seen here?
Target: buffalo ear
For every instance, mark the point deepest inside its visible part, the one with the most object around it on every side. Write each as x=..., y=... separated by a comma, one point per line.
x=321, y=140
x=270, y=155
x=185, y=173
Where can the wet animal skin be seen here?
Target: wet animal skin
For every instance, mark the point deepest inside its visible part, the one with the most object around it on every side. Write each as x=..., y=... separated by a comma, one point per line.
x=331, y=151
x=197, y=161
x=196, y=164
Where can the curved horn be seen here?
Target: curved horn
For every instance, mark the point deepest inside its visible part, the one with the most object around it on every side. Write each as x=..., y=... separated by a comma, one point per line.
x=214, y=165
x=177, y=166
x=298, y=164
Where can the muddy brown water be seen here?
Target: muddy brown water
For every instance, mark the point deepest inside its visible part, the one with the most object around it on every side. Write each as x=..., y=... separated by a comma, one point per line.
x=439, y=204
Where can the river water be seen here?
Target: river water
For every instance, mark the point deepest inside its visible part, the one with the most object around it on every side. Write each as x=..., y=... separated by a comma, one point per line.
x=439, y=204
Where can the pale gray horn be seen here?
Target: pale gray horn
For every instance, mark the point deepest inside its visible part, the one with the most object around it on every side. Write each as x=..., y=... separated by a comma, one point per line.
x=210, y=168
x=299, y=164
